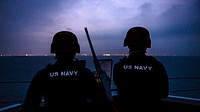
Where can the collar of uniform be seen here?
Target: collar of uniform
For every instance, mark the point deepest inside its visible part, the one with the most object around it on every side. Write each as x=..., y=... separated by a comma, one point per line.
x=137, y=54
x=64, y=62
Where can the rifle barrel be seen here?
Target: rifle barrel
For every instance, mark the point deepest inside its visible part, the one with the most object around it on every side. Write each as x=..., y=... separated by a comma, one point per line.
x=99, y=70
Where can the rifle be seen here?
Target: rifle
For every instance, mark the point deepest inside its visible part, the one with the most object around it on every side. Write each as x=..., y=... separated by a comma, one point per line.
x=100, y=71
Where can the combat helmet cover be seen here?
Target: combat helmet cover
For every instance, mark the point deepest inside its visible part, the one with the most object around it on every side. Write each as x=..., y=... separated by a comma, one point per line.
x=65, y=41
x=138, y=36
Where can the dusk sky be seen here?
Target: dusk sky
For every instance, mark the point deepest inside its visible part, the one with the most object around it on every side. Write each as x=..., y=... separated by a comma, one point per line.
x=27, y=26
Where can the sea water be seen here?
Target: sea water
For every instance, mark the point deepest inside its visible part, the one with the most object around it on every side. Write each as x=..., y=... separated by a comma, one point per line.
x=16, y=73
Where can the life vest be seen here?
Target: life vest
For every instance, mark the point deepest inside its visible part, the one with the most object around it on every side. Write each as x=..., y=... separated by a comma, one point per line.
x=139, y=77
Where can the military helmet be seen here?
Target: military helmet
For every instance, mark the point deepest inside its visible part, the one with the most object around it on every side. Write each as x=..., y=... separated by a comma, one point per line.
x=138, y=36
x=65, y=41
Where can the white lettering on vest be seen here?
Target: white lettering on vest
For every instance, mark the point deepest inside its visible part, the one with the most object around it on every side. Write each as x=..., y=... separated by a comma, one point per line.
x=127, y=66
x=53, y=74
x=63, y=73
x=138, y=67
x=66, y=73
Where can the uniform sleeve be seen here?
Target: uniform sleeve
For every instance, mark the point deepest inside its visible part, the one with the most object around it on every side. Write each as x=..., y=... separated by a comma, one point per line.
x=33, y=97
x=164, y=82
x=116, y=74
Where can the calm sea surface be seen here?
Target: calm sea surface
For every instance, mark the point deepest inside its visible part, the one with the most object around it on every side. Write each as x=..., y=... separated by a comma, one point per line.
x=183, y=72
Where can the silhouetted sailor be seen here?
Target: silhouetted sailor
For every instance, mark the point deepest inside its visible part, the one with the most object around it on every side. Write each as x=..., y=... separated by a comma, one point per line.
x=67, y=85
x=141, y=80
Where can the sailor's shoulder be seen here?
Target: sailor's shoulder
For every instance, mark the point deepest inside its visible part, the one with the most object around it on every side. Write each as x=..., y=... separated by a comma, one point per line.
x=151, y=58
x=48, y=66
x=125, y=58
x=155, y=61
x=121, y=61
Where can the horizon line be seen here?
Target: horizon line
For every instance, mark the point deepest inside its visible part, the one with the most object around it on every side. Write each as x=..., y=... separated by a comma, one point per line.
x=84, y=54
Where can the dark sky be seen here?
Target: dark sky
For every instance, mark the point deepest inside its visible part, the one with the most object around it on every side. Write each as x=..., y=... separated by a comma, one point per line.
x=27, y=26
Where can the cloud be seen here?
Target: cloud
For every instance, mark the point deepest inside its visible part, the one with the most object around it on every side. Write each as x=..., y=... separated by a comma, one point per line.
x=33, y=23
